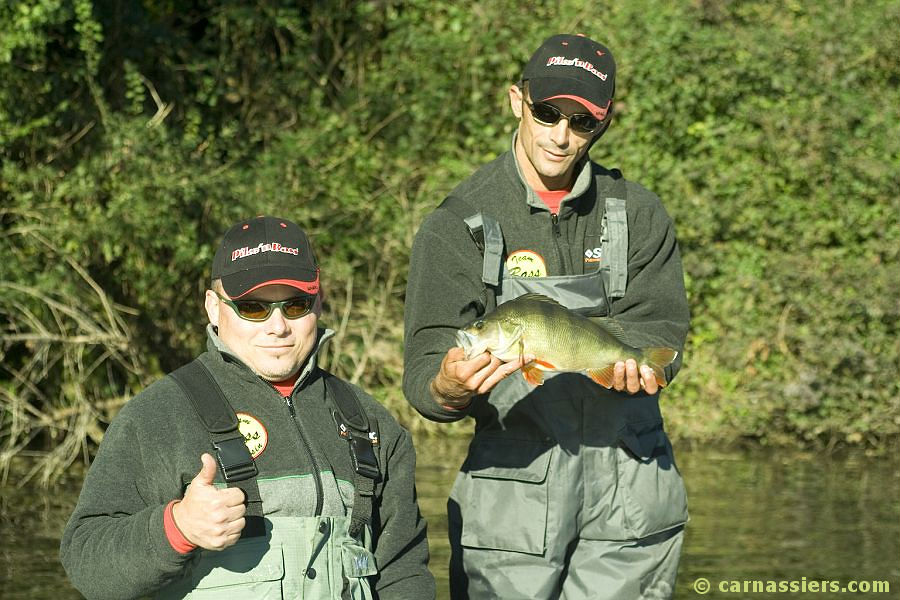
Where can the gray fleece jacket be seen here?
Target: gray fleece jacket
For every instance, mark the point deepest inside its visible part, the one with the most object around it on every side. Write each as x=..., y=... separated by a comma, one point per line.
x=114, y=545
x=445, y=289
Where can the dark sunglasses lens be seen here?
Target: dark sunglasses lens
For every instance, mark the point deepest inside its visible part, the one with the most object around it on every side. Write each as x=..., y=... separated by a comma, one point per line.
x=545, y=113
x=584, y=123
x=252, y=310
x=294, y=309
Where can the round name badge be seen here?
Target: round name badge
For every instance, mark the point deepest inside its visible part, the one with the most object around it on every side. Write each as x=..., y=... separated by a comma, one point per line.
x=526, y=263
x=255, y=435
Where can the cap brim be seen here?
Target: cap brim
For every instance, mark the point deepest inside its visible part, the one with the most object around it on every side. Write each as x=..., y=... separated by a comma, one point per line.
x=548, y=88
x=243, y=282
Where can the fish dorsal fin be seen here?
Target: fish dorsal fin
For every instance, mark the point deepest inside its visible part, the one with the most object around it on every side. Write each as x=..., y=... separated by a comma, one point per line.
x=612, y=327
x=536, y=297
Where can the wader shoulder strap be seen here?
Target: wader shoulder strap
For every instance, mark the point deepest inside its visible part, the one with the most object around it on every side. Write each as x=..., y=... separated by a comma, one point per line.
x=615, y=239
x=235, y=463
x=486, y=233
x=362, y=438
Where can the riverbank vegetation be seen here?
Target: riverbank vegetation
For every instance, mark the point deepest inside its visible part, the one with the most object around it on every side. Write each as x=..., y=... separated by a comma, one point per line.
x=132, y=133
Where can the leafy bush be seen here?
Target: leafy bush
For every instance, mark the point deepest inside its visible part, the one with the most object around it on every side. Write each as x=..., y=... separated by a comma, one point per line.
x=132, y=133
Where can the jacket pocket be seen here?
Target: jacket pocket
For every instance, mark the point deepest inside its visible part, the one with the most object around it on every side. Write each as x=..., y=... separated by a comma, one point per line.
x=651, y=489
x=503, y=495
x=249, y=569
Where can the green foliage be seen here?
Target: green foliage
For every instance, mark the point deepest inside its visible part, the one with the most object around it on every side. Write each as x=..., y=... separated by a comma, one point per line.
x=772, y=144
x=132, y=133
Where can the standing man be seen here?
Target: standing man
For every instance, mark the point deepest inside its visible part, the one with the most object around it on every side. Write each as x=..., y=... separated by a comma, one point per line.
x=251, y=472
x=569, y=489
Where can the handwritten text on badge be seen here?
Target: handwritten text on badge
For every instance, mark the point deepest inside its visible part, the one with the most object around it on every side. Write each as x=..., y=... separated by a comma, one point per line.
x=255, y=435
x=526, y=263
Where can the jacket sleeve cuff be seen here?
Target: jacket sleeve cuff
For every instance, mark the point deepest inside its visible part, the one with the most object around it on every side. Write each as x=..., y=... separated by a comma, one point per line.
x=176, y=539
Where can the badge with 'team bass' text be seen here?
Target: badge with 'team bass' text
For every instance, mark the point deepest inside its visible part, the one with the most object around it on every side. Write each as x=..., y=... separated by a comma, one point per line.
x=255, y=435
x=526, y=263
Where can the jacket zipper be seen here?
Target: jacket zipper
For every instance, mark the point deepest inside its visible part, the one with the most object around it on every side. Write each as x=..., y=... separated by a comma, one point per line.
x=557, y=234
x=317, y=477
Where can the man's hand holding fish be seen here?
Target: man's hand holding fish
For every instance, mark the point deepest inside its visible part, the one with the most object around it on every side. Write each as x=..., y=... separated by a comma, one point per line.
x=461, y=378
x=627, y=377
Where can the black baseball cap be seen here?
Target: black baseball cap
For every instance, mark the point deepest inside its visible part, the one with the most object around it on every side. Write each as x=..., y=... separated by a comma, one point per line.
x=265, y=251
x=576, y=67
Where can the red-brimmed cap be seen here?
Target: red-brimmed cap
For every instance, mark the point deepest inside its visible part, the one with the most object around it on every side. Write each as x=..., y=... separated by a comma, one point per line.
x=265, y=251
x=572, y=66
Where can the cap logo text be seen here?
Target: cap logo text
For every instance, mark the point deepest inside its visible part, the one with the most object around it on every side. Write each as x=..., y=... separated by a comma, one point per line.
x=562, y=61
x=273, y=247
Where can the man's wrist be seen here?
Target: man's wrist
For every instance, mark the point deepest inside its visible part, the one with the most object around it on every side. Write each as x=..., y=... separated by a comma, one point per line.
x=449, y=402
x=179, y=542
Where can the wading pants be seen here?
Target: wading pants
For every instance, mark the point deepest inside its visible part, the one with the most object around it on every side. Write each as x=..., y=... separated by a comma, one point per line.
x=569, y=490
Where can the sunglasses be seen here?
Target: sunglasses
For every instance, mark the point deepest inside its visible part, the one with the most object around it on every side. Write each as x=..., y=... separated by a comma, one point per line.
x=549, y=115
x=257, y=310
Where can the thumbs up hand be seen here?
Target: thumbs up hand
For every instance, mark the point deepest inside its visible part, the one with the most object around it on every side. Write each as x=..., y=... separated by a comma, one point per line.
x=207, y=516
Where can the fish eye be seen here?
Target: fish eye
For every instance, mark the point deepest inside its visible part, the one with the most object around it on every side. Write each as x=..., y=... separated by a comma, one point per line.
x=479, y=324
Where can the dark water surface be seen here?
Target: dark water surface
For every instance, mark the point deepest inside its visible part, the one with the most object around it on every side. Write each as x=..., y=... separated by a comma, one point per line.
x=765, y=516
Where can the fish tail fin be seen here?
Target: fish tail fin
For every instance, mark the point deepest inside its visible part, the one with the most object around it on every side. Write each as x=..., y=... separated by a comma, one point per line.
x=657, y=358
x=602, y=376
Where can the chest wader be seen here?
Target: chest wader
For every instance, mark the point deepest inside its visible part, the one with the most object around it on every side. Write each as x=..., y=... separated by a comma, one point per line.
x=561, y=479
x=284, y=556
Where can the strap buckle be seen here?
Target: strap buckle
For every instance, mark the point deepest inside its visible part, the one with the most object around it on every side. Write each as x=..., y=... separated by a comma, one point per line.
x=365, y=462
x=234, y=459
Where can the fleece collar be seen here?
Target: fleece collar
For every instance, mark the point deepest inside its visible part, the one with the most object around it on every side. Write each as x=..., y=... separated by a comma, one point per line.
x=215, y=344
x=581, y=185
